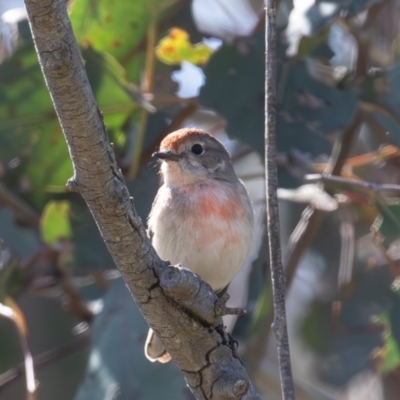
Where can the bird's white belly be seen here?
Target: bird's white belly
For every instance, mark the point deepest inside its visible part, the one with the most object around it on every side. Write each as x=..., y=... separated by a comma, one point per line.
x=213, y=250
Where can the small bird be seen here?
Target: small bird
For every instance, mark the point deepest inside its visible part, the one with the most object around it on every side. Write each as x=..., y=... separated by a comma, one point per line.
x=202, y=216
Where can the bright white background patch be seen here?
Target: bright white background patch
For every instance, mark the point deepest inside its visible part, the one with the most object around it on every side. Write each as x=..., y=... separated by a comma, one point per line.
x=190, y=79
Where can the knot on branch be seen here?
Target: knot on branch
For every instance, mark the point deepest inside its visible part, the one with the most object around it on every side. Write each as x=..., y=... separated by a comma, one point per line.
x=189, y=291
x=230, y=387
x=58, y=63
x=117, y=200
x=72, y=185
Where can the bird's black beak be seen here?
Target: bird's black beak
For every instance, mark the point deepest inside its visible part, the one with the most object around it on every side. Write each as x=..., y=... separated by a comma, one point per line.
x=167, y=155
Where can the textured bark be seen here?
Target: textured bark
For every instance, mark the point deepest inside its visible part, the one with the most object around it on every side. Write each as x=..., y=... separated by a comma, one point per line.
x=182, y=310
x=278, y=276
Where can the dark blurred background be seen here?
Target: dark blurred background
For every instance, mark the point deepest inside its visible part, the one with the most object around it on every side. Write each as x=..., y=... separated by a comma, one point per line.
x=155, y=66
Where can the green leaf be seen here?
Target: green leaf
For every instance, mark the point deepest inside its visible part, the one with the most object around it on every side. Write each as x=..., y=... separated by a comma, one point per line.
x=310, y=45
x=262, y=309
x=235, y=88
x=316, y=330
x=119, y=29
x=115, y=28
x=392, y=98
x=323, y=107
x=25, y=103
x=54, y=222
x=107, y=79
x=387, y=224
x=308, y=109
x=29, y=129
x=389, y=353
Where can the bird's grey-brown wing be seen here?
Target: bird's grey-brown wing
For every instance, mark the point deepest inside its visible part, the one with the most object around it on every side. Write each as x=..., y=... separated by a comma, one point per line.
x=221, y=292
x=150, y=234
x=153, y=348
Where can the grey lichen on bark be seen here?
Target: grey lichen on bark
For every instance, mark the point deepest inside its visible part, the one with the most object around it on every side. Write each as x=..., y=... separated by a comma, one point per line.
x=191, y=330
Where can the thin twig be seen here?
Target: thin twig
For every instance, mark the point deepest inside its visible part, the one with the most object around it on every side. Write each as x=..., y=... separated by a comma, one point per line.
x=347, y=237
x=74, y=303
x=343, y=145
x=45, y=358
x=341, y=182
x=9, y=313
x=370, y=107
x=384, y=153
x=277, y=274
x=147, y=87
x=311, y=219
x=24, y=212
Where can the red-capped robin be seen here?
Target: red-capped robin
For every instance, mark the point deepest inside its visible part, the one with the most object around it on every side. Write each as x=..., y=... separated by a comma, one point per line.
x=202, y=216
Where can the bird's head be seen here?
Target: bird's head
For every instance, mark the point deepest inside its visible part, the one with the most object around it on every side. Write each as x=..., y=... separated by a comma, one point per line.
x=192, y=155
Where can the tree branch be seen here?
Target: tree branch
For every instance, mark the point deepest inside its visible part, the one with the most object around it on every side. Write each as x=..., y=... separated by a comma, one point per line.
x=189, y=334
x=277, y=274
x=45, y=358
x=338, y=182
x=9, y=313
x=22, y=210
x=311, y=218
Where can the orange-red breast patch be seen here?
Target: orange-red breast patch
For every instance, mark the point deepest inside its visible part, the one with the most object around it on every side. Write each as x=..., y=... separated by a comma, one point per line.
x=225, y=210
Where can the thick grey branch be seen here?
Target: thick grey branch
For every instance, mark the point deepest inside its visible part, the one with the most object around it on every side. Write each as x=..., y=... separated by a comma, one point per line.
x=201, y=352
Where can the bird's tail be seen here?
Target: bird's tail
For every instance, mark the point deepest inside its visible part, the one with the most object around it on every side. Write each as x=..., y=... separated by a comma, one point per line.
x=154, y=349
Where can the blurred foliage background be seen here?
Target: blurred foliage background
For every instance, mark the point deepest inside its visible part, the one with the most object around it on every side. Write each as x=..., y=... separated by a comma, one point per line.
x=155, y=66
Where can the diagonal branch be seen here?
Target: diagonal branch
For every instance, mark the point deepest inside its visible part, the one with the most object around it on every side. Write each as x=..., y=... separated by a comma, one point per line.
x=9, y=313
x=277, y=274
x=190, y=333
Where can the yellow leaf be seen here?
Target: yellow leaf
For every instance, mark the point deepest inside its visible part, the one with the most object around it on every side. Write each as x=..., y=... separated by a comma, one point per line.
x=179, y=35
x=54, y=222
x=176, y=47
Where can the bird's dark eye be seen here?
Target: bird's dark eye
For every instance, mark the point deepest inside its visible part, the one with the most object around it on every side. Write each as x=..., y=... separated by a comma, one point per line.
x=197, y=149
